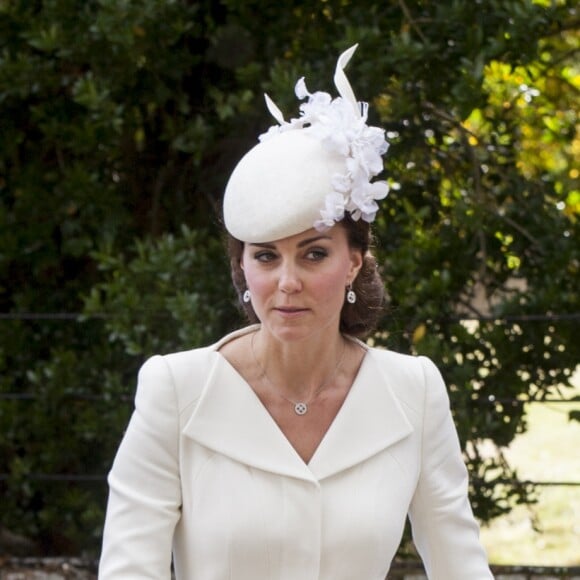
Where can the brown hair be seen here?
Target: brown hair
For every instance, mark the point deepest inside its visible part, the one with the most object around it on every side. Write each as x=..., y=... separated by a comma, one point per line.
x=358, y=319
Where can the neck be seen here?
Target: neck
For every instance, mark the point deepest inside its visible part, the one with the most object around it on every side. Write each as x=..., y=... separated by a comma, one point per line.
x=298, y=370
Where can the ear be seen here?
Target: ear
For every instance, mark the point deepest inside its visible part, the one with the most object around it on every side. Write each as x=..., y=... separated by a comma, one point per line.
x=356, y=263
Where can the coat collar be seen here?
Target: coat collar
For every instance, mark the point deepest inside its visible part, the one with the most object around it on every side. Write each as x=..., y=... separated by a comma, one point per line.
x=230, y=419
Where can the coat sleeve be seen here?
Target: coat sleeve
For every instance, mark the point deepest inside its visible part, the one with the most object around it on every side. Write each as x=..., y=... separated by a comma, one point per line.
x=444, y=530
x=144, y=485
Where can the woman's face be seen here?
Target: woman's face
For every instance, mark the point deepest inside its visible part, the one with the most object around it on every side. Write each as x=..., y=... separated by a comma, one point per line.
x=298, y=283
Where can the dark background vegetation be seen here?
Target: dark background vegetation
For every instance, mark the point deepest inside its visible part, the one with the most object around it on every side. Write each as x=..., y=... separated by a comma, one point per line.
x=120, y=121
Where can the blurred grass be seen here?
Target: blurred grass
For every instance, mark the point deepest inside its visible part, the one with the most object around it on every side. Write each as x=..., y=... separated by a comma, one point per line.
x=547, y=533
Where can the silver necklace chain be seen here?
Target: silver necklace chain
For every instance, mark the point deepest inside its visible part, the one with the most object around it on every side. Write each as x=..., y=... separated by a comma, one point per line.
x=300, y=407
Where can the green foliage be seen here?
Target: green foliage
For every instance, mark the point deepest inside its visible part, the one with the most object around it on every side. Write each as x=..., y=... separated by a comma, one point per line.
x=177, y=285
x=121, y=121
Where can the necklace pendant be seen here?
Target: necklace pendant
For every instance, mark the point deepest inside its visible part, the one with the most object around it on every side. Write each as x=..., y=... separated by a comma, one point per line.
x=300, y=408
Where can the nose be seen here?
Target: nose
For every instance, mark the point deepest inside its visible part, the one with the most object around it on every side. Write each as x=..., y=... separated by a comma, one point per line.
x=289, y=281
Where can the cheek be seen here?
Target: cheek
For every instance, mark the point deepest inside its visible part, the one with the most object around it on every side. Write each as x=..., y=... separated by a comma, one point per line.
x=332, y=286
x=259, y=285
x=258, y=282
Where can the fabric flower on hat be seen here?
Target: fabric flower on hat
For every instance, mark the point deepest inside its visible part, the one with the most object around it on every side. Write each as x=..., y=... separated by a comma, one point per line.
x=363, y=200
x=341, y=126
x=333, y=211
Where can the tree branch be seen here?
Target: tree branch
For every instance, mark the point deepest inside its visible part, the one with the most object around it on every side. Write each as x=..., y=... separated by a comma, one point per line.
x=412, y=22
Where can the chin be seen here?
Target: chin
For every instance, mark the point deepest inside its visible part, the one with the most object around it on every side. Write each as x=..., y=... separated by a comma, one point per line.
x=289, y=333
x=296, y=331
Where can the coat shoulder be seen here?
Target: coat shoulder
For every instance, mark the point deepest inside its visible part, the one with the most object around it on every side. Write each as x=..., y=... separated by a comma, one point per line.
x=401, y=367
x=410, y=377
x=189, y=371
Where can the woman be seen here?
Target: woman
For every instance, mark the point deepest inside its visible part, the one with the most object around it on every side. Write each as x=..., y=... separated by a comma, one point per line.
x=290, y=449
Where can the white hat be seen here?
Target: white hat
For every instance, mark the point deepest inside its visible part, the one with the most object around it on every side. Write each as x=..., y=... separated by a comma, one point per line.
x=308, y=172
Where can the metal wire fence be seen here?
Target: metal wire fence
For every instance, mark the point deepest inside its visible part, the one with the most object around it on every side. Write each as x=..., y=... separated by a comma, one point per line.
x=406, y=571
x=77, y=317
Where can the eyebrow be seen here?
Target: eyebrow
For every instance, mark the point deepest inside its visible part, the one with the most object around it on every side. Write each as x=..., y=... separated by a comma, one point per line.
x=301, y=244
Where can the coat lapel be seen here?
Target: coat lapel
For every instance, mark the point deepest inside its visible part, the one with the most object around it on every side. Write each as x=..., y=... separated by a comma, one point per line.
x=370, y=420
x=231, y=420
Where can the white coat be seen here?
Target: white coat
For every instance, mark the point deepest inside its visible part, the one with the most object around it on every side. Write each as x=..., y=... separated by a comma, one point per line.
x=203, y=471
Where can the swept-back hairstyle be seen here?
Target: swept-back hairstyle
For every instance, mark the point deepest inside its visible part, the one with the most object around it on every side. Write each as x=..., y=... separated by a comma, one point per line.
x=358, y=319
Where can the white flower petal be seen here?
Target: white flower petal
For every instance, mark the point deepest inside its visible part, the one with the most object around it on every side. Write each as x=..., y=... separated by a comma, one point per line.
x=355, y=215
x=301, y=90
x=369, y=217
x=341, y=183
x=380, y=189
x=322, y=226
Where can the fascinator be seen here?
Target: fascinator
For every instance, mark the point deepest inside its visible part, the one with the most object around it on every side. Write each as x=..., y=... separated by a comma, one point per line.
x=309, y=171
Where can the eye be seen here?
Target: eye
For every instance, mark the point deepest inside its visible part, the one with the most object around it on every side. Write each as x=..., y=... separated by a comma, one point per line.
x=316, y=254
x=264, y=256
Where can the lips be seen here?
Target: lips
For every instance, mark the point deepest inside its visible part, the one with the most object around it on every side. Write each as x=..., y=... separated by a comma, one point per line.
x=290, y=310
